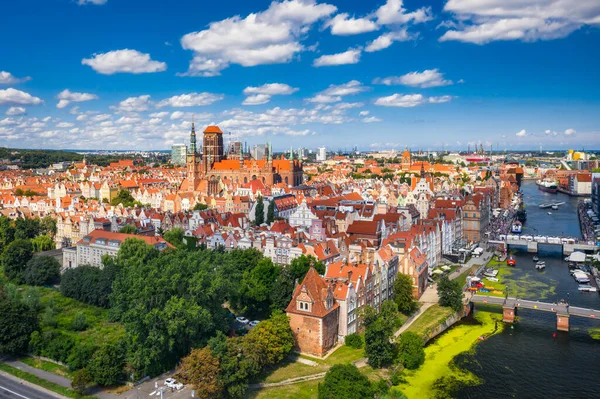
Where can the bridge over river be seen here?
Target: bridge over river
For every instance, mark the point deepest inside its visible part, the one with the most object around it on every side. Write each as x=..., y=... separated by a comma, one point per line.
x=568, y=245
x=563, y=310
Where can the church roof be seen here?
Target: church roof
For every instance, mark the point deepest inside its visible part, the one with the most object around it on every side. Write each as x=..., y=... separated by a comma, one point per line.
x=213, y=129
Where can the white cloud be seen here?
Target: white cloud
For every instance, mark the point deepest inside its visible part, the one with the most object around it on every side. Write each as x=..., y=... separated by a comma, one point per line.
x=66, y=97
x=410, y=100
x=6, y=78
x=425, y=79
x=191, y=100
x=95, y=2
x=271, y=89
x=127, y=119
x=364, y=113
x=351, y=56
x=521, y=133
x=485, y=21
x=257, y=99
x=134, y=104
x=387, y=39
x=371, y=119
x=159, y=114
x=62, y=125
x=272, y=36
x=342, y=25
x=177, y=115
x=440, y=99
x=101, y=117
x=334, y=93
x=569, y=132
x=392, y=12
x=14, y=111
x=12, y=96
x=262, y=94
x=125, y=61
x=400, y=100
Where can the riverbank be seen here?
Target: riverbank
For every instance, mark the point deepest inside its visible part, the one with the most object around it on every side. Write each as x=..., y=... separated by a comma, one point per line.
x=440, y=354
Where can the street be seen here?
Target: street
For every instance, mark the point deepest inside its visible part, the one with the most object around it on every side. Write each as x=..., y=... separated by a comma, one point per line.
x=9, y=388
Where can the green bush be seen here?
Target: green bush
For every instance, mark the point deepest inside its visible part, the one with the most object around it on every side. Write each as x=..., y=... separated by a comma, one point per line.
x=41, y=270
x=80, y=322
x=410, y=350
x=354, y=341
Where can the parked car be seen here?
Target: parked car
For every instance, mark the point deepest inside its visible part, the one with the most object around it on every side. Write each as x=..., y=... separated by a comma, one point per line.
x=172, y=383
x=254, y=323
x=242, y=319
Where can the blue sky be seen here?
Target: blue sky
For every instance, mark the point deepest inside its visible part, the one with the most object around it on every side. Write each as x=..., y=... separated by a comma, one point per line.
x=125, y=74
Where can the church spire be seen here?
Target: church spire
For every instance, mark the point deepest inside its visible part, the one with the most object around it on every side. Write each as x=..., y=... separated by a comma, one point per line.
x=193, y=138
x=422, y=169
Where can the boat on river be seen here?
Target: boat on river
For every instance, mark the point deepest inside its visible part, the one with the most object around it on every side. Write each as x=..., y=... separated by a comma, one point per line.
x=540, y=265
x=547, y=186
x=511, y=261
x=587, y=288
x=535, y=258
x=517, y=227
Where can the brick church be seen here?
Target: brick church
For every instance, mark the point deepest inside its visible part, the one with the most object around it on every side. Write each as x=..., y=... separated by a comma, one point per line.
x=210, y=169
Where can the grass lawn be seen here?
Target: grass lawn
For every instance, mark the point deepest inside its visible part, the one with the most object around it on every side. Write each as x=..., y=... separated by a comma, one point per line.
x=304, y=390
x=430, y=319
x=47, y=366
x=99, y=330
x=41, y=382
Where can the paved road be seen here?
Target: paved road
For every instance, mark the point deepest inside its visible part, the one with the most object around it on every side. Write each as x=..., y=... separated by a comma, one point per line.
x=10, y=389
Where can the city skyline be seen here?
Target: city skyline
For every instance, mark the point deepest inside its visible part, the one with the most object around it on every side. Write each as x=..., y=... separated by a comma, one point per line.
x=109, y=74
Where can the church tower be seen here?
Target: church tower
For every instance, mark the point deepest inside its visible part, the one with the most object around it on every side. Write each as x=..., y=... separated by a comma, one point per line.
x=212, y=149
x=192, y=160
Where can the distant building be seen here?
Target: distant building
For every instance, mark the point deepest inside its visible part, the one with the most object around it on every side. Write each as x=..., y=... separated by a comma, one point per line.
x=596, y=192
x=321, y=154
x=91, y=248
x=259, y=151
x=178, y=152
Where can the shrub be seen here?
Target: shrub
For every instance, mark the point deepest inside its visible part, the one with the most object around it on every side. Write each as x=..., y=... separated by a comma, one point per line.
x=41, y=270
x=410, y=350
x=354, y=341
x=81, y=379
x=80, y=322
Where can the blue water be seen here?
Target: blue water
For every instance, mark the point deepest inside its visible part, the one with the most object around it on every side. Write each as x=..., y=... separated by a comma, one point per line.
x=526, y=361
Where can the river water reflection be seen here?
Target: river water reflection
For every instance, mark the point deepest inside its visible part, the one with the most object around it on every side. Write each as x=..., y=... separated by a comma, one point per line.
x=526, y=361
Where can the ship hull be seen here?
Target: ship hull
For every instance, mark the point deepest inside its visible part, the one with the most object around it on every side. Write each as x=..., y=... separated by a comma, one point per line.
x=551, y=189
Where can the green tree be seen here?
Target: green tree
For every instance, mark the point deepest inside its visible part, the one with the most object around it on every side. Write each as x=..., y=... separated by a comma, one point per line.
x=128, y=229
x=42, y=243
x=7, y=231
x=450, y=293
x=31, y=298
x=41, y=270
x=17, y=322
x=81, y=380
x=379, y=329
x=80, y=322
x=259, y=213
x=200, y=207
x=106, y=365
x=123, y=197
x=354, y=341
x=89, y=284
x=271, y=212
x=15, y=257
x=48, y=226
x=403, y=294
x=27, y=228
x=49, y=318
x=271, y=340
x=256, y=286
x=410, y=350
x=345, y=381
x=175, y=237
x=202, y=370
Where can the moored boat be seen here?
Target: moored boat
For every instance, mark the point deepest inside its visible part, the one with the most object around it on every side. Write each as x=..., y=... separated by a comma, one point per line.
x=536, y=258
x=547, y=186
x=540, y=265
x=517, y=227
x=511, y=261
x=587, y=288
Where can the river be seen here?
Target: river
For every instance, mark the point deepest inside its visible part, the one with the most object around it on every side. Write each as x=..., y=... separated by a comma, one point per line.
x=527, y=361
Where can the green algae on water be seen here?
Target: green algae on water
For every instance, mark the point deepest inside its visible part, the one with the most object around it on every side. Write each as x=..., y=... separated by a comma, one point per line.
x=439, y=363
x=594, y=333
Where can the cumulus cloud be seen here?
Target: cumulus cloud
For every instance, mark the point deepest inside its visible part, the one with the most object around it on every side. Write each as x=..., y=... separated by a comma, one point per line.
x=351, y=56
x=371, y=119
x=481, y=22
x=67, y=97
x=425, y=79
x=334, y=93
x=569, y=132
x=364, y=113
x=262, y=94
x=272, y=36
x=15, y=111
x=387, y=39
x=7, y=78
x=191, y=100
x=341, y=25
x=63, y=125
x=392, y=12
x=521, y=133
x=124, y=61
x=410, y=100
x=134, y=104
x=12, y=96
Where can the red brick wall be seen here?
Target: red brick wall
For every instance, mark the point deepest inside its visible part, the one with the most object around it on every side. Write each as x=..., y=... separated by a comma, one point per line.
x=309, y=332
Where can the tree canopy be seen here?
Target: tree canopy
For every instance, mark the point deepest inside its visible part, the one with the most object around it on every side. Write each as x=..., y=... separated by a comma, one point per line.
x=41, y=270
x=450, y=293
x=345, y=381
x=410, y=350
x=259, y=212
x=403, y=294
x=15, y=257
